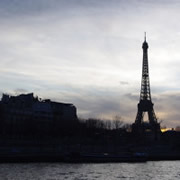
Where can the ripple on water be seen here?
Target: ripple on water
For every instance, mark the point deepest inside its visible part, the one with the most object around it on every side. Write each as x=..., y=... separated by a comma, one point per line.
x=109, y=171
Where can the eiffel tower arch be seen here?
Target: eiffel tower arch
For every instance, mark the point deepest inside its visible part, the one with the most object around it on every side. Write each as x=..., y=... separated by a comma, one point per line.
x=145, y=104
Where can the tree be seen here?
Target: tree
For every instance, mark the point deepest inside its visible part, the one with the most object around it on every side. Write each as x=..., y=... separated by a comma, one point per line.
x=108, y=124
x=117, y=122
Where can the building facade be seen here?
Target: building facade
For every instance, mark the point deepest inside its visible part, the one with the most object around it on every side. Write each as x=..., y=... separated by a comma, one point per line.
x=25, y=115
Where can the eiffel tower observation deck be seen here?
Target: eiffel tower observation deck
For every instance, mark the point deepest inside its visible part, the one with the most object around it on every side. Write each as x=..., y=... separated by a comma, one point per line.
x=145, y=103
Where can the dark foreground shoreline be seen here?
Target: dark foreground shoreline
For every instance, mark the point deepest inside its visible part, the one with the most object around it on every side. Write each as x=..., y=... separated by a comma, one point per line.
x=92, y=148
x=77, y=158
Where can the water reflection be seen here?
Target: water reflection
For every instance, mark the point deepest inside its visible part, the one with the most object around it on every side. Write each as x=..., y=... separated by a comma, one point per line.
x=109, y=171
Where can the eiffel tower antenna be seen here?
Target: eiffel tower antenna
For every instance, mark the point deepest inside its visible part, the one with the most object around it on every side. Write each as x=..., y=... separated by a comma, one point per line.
x=144, y=36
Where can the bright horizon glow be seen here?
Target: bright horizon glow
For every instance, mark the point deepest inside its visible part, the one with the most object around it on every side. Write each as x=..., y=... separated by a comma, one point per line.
x=166, y=129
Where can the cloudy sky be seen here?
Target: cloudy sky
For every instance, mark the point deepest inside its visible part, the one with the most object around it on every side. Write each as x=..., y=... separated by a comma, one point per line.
x=89, y=53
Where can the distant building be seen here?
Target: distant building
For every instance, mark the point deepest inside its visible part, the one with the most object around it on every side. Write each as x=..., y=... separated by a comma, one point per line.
x=25, y=114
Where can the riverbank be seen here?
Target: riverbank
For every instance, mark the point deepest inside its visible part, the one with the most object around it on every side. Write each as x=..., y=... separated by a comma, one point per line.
x=85, y=158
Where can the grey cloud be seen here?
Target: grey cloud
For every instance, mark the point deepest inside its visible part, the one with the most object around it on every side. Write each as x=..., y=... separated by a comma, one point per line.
x=167, y=107
x=20, y=91
x=19, y=7
x=124, y=82
x=104, y=107
x=97, y=103
x=133, y=97
x=21, y=82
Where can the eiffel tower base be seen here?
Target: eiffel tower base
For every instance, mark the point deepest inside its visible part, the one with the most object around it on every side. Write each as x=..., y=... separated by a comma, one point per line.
x=146, y=131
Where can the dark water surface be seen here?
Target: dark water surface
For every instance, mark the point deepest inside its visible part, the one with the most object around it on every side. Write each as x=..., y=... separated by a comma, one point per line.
x=158, y=170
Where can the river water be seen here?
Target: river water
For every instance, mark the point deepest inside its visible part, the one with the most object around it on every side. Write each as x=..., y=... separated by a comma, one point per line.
x=159, y=170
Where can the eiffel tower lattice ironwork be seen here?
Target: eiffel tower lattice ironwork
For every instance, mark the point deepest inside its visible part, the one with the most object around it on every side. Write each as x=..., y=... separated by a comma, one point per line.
x=145, y=103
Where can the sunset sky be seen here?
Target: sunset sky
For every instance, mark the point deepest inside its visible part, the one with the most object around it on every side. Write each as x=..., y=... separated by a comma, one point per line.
x=89, y=53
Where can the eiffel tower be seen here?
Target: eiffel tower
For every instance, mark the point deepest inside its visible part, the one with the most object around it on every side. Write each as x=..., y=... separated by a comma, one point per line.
x=145, y=103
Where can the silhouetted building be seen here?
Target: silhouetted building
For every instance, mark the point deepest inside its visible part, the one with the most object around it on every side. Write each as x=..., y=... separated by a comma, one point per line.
x=145, y=103
x=25, y=115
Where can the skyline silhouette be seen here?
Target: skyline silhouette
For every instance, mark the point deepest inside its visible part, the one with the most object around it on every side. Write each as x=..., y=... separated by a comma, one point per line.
x=89, y=53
